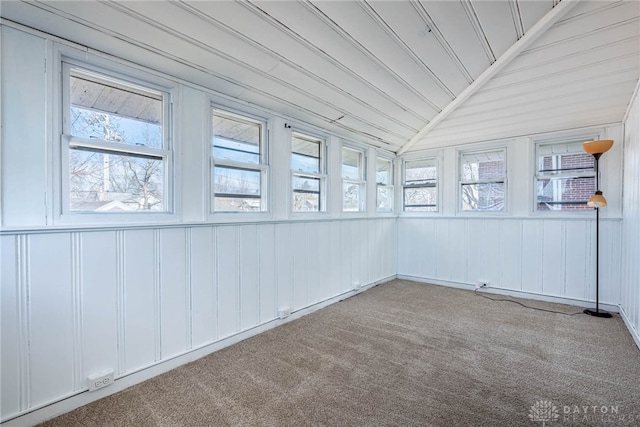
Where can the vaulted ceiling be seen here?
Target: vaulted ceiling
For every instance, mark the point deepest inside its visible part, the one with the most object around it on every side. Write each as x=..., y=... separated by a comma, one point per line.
x=403, y=75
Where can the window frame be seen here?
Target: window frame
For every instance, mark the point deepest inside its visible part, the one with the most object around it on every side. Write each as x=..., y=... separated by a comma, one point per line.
x=321, y=175
x=390, y=186
x=262, y=168
x=461, y=182
x=436, y=185
x=106, y=70
x=564, y=140
x=361, y=182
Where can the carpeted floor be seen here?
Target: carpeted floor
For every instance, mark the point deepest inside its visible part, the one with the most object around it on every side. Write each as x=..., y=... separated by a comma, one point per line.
x=400, y=354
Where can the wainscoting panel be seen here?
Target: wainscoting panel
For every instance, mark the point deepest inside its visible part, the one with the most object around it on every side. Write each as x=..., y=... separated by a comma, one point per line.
x=76, y=303
x=553, y=257
x=174, y=292
x=12, y=330
x=204, y=307
x=99, y=267
x=140, y=299
x=52, y=301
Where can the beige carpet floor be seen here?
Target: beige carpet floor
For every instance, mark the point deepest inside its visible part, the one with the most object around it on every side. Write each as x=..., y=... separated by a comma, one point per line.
x=400, y=354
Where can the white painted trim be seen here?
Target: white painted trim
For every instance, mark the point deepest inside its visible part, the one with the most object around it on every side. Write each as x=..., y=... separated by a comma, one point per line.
x=634, y=333
x=511, y=293
x=630, y=106
x=70, y=402
x=536, y=31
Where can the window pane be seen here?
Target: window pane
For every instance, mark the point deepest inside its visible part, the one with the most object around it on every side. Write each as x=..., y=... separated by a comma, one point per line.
x=236, y=139
x=351, y=197
x=351, y=164
x=305, y=155
x=233, y=181
x=385, y=198
x=116, y=114
x=236, y=204
x=421, y=172
x=420, y=199
x=306, y=184
x=565, y=193
x=566, y=163
x=104, y=182
x=306, y=202
x=482, y=166
x=483, y=197
x=383, y=171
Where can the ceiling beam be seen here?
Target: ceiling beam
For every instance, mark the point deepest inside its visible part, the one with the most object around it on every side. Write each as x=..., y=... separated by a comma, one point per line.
x=533, y=34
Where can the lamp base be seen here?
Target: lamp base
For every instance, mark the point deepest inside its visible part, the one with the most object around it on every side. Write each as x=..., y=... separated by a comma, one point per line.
x=598, y=313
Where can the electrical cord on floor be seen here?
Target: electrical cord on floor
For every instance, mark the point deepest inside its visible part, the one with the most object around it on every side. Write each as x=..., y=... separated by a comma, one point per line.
x=521, y=304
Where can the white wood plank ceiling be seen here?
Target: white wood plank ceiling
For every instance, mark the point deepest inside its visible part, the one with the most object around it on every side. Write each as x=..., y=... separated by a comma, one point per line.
x=376, y=71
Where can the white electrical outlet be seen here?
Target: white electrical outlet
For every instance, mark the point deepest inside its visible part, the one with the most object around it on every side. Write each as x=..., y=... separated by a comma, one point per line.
x=356, y=286
x=284, y=313
x=100, y=379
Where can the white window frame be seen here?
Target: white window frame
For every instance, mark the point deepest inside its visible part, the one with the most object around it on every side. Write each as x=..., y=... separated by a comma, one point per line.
x=462, y=182
x=436, y=185
x=390, y=186
x=322, y=175
x=361, y=181
x=105, y=69
x=559, y=141
x=262, y=167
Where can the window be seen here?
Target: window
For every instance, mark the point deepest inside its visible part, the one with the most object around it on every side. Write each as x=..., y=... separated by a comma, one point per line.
x=565, y=176
x=420, y=186
x=239, y=171
x=115, y=145
x=483, y=181
x=353, y=180
x=384, y=185
x=308, y=173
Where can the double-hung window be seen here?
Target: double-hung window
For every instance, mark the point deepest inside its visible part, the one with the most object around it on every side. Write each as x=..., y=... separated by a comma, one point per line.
x=420, y=186
x=483, y=180
x=353, y=180
x=565, y=176
x=384, y=185
x=308, y=177
x=115, y=147
x=238, y=163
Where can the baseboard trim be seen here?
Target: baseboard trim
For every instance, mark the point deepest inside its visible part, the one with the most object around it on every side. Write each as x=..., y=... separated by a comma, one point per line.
x=509, y=292
x=76, y=400
x=633, y=331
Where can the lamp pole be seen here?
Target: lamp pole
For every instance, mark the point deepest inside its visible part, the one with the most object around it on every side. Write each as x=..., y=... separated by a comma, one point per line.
x=597, y=201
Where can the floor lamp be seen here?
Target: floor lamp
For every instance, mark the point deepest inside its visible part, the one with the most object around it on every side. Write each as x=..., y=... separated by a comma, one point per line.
x=597, y=201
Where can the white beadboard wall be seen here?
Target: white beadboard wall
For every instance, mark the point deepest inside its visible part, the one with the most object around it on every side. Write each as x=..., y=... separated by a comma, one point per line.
x=630, y=283
x=79, y=302
x=549, y=257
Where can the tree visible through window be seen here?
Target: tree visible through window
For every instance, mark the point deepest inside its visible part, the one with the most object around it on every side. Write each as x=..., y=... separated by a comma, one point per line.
x=116, y=145
x=384, y=185
x=353, y=180
x=482, y=181
x=420, y=187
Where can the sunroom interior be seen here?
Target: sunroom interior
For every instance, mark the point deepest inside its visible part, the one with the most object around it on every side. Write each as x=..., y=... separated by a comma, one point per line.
x=179, y=176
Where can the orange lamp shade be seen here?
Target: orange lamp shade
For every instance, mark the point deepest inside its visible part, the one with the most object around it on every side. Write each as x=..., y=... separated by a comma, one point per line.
x=597, y=200
x=597, y=147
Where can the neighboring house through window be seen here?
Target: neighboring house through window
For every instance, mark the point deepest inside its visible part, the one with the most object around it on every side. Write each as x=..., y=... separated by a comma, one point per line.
x=308, y=173
x=239, y=169
x=565, y=176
